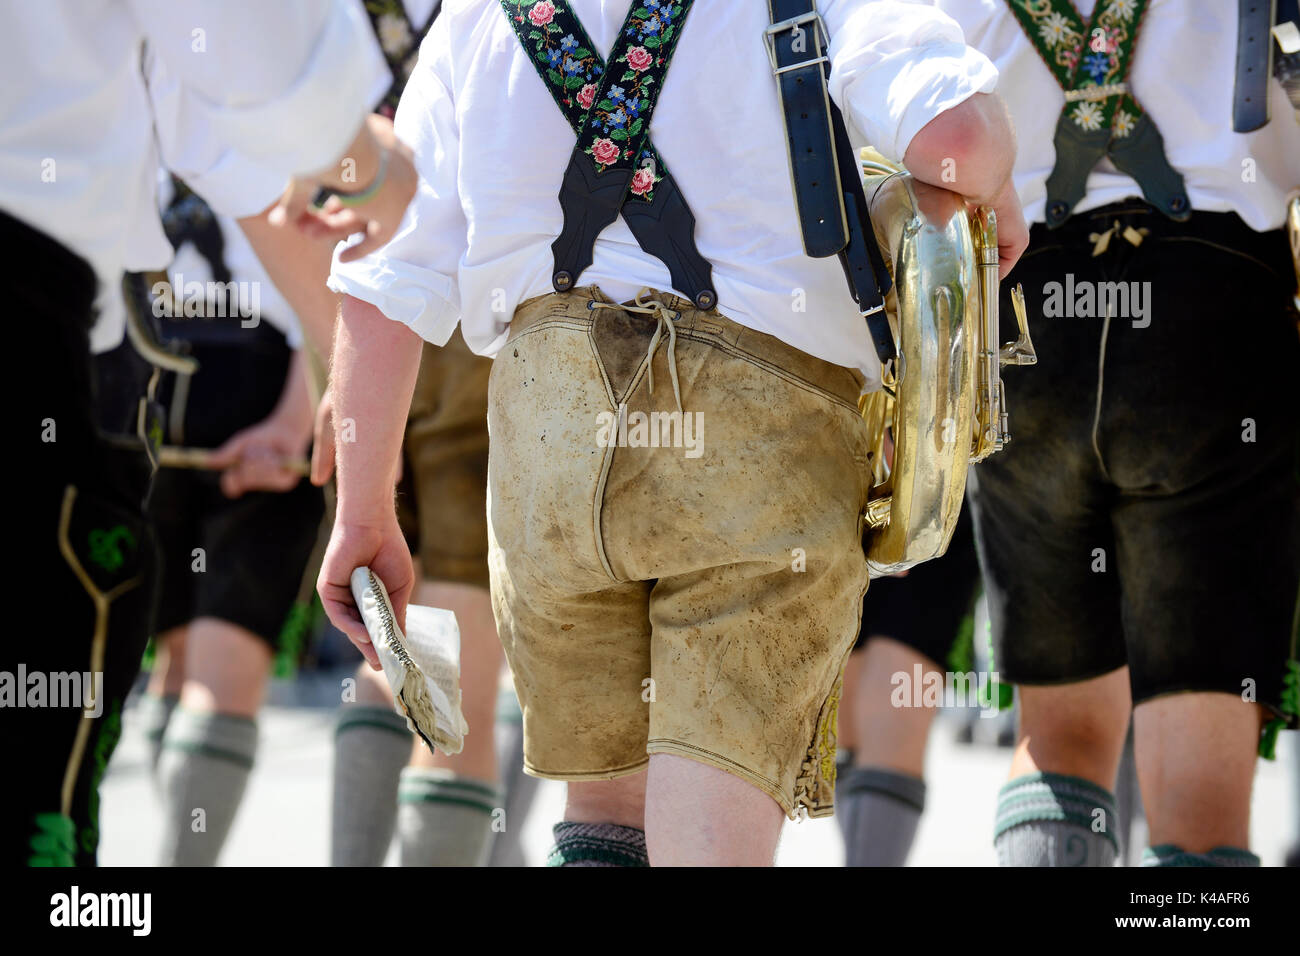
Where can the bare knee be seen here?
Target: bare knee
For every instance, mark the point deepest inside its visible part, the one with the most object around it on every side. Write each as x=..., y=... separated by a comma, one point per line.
x=1074, y=729
x=1196, y=763
x=620, y=801
x=884, y=735
x=698, y=815
x=226, y=668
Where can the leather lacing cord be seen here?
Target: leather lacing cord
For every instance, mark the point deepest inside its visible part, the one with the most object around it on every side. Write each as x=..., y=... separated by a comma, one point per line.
x=665, y=317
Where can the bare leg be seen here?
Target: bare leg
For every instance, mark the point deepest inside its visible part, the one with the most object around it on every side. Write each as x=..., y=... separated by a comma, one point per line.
x=1074, y=729
x=481, y=659
x=226, y=669
x=168, y=672
x=1196, y=764
x=1059, y=809
x=888, y=736
x=698, y=815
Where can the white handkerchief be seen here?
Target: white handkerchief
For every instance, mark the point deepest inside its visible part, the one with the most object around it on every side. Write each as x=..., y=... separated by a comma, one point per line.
x=422, y=666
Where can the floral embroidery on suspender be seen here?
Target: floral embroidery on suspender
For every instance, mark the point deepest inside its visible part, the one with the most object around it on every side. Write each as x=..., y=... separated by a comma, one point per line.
x=1091, y=63
x=399, y=40
x=607, y=125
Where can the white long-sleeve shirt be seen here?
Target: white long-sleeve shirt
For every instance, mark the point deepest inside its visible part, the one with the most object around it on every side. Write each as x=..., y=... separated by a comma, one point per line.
x=284, y=83
x=1182, y=76
x=492, y=146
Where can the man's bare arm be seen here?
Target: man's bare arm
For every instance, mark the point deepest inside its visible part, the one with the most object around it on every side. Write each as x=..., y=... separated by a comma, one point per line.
x=299, y=266
x=374, y=369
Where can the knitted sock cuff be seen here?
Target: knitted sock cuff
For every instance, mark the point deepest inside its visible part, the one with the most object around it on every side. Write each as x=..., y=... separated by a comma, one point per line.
x=578, y=844
x=1055, y=797
x=435, y=785
x=228, y=737
x=890, y=783
x=1166, y=854
x=353, y=716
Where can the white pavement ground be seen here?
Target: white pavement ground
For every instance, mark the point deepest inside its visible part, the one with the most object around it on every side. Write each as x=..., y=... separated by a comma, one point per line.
x=284, y=820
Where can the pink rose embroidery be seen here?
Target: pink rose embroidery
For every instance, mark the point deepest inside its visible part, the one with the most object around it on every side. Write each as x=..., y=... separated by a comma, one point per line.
x=605, y=151
x=643, y=181
x=639, y=58
x=587, y=95
x=542, y=13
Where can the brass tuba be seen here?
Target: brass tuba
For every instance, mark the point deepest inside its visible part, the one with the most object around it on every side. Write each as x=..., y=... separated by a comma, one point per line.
x=942, y=401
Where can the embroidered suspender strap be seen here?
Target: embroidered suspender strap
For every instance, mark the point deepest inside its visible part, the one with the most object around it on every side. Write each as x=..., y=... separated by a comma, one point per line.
x=399, y=39
x=1092, y=63
x=824, y=171
x=614, y=166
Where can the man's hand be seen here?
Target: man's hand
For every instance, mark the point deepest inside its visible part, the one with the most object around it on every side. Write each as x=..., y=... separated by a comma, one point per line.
x=260, y=458
x=1013, y=231
x=264, y=457
x=379, y=547
x=971, y=150
x=379, y=216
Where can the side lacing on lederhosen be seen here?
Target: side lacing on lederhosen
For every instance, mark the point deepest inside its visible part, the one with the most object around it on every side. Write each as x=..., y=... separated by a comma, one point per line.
x=819, y=760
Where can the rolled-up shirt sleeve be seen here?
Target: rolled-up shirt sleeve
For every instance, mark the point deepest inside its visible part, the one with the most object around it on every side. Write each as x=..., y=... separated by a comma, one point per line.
x=286, y=83
x=412, y=279
x=896, y=65
x=228, y=180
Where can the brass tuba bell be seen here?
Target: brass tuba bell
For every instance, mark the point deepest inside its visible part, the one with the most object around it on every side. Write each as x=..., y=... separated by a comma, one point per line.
x=942, y=401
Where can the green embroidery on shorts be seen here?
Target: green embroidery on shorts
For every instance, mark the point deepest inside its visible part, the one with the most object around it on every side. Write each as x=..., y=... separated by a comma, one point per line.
x=298, y=624
x=110, y=732
x=961, y=655
x=53, y=843
x=104, y=546
x=1006, y=692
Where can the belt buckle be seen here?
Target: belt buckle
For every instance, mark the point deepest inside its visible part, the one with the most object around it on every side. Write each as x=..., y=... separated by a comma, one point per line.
x=796, y=23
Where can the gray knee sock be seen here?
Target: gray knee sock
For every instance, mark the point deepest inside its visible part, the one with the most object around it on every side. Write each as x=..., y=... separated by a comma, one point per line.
x=519, y=788
x=154, y=713
x=879, y=811
x=1047, y=819
x=1169, y=855
x=371, y=746
x=598, y=844
x=204, y=768
x=444, y=819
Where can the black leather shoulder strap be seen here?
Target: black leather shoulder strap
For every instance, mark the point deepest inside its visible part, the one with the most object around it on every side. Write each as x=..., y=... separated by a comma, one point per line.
x=827, y=180
x=1254, y=48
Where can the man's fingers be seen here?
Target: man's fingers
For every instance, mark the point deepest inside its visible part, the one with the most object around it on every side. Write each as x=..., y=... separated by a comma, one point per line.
x=373, y=240
x=322, y=463
x=344, y=615
x=228, y=454
x=293, y=203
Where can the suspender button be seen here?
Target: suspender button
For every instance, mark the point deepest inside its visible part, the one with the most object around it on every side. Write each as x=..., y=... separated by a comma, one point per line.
x=706, y=300
x=562, y=281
